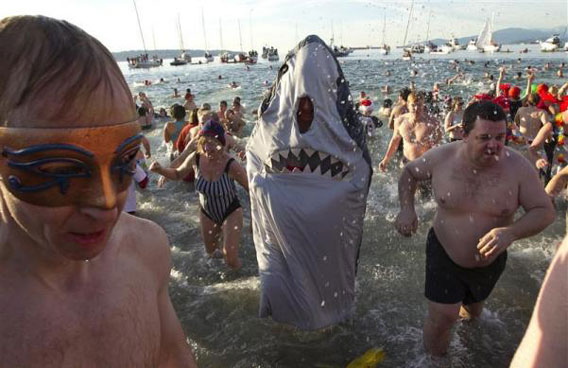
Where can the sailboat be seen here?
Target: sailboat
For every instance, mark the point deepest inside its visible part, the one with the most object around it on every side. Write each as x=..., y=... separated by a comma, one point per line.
x=485, y=41
x=208, y=57
x=142, y=61
x=240, y=57
x=252, y=54
x=184, y=57
x=384, y=49
x=340, y=51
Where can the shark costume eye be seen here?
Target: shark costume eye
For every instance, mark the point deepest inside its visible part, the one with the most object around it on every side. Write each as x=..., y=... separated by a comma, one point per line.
x=305, y=114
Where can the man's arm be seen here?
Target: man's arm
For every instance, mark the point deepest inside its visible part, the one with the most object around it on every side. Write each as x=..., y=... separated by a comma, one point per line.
x=539, y=213
x=538, y=141
x=415, y=171
x=557, y=183
x=545, y=341
x=393, y=145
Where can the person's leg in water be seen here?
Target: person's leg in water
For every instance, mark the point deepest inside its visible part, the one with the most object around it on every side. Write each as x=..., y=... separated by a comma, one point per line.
x=438, y=326
x=232, y=230
x=211, y=234
x=471, y=311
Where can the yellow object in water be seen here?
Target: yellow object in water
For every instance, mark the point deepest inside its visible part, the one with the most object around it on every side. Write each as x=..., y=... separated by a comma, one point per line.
x=370, y=359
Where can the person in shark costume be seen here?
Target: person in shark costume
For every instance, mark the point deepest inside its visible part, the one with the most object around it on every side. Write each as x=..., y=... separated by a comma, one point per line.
x=309, y=173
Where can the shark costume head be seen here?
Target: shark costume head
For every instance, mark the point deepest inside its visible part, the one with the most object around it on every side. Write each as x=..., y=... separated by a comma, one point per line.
x=309, y=173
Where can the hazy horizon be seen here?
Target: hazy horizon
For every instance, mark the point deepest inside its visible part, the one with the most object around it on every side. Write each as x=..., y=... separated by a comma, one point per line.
x=281, y=23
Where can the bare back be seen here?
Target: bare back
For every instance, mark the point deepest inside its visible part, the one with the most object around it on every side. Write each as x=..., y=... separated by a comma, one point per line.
x=107, y=315
x=530, y=119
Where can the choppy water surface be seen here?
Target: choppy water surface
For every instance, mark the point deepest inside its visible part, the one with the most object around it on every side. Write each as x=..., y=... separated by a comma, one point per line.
x=218, y=307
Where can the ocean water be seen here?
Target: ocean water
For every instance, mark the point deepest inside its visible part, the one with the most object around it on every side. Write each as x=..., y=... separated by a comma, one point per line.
x=218, y=307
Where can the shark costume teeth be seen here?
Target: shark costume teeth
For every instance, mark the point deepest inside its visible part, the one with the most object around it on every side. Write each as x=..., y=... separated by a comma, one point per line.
x=308, y=184
x=307, y=161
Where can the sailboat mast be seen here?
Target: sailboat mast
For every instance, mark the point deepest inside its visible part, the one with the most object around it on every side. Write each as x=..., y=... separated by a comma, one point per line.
x=240, y=36
x=250, y=28
x=384, y=24
x=139, y=26
x=181, y=46
x=154, y=38
x=220, y=35
x=428, y=27
x=204, y=34
x=408, y=23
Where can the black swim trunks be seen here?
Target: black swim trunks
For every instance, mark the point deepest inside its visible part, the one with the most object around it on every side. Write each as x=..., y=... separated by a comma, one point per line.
x=449, y=283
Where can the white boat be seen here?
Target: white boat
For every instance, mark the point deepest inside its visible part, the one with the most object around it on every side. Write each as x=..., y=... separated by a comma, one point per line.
x=566, y=46
x=430, y=47
x=142, y=61
x=207, y=55
x=454, y=44
x=472, y=45
x=184, y=58
x=485, y=41
x=551, y=44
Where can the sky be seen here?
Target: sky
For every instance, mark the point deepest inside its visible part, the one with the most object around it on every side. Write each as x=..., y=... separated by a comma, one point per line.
x=282, y=23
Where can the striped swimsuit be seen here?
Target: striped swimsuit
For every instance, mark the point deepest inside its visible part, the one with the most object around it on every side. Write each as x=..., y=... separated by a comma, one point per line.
x=218, y=198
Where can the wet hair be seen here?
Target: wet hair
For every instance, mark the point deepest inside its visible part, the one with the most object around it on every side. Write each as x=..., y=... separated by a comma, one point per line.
x=142, y=111
x=485, y=110
x=54, y=70
x=458, y=100
x=178, y=112
x=416, y=96
x=387, y=103
x=533, y=99
x=237, y=99
x=193, y=116
x=223, y=103
x=404, y=92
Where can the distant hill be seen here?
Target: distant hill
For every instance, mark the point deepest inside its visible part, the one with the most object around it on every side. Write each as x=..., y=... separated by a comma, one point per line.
x=514, y=36
x=164, y=54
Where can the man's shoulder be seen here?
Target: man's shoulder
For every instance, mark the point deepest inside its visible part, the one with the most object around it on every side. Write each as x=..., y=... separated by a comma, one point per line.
x=141, y=236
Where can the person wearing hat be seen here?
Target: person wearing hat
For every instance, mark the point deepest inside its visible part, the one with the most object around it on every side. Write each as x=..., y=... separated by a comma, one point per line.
x=221, y=215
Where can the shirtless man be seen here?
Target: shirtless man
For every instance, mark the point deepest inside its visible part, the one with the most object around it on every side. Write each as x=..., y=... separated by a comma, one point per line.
x=418, y=130
x=81, y=284
x=530, y=119
x=399, y=107
x=478, y=185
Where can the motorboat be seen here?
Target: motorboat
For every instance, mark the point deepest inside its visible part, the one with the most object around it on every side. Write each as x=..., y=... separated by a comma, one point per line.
x=551, y=44
x=472, y=45
x=183, y=59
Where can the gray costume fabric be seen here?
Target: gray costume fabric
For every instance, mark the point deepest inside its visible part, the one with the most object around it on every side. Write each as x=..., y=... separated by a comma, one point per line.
x=308, y=222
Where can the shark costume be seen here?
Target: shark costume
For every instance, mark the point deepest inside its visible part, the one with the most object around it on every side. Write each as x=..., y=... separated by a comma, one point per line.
x=308, y=191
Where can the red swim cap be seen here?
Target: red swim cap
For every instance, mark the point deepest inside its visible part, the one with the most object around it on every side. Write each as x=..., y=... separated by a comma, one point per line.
x=541, y=88
x=515, y=92
x=505, y=87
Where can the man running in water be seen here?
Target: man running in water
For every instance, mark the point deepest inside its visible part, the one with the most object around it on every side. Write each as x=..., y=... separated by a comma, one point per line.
x=478, y=185
x=417, y=129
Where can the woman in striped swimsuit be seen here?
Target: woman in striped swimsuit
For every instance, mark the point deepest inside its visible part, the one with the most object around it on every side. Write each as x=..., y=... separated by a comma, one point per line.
x=216, y=170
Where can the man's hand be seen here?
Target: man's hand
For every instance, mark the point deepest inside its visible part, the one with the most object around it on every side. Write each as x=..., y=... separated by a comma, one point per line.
x=406, y=222
x=495, y=242
x=541, y=163
x=155, y=167
x=383, y=166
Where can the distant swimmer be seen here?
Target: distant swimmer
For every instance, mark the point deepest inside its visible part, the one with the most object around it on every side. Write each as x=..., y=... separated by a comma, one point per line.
x=219, y=76
x=176, y=94
x=418, y=130
x=233, y=85
x=479, y=185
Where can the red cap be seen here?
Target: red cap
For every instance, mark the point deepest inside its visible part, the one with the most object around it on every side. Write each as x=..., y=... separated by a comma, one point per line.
x=515, y=92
